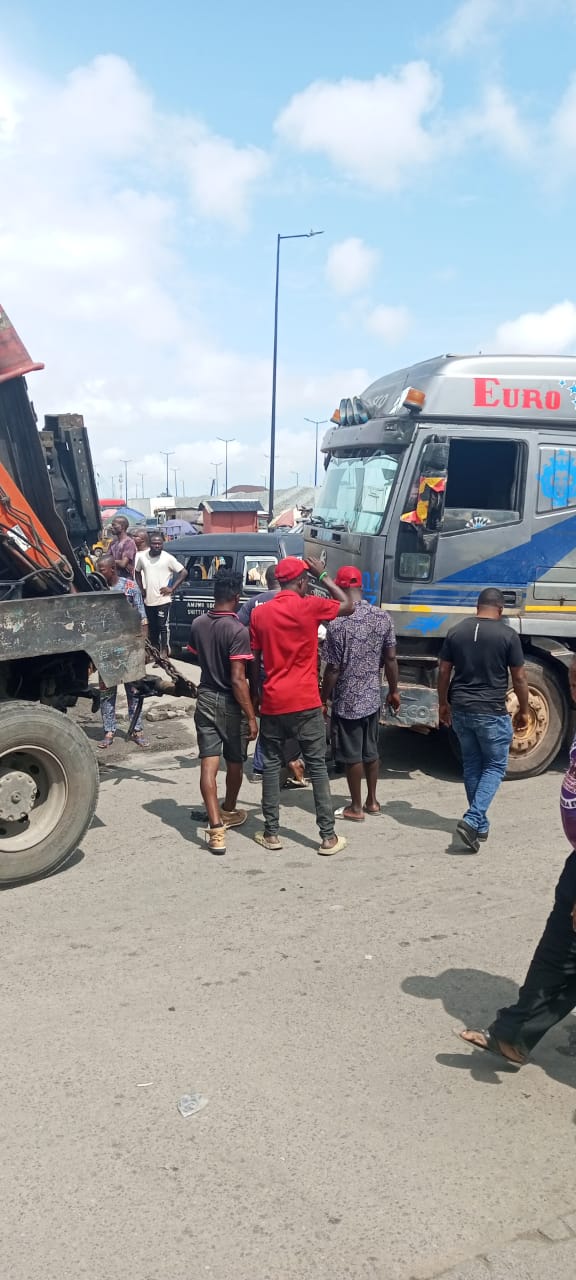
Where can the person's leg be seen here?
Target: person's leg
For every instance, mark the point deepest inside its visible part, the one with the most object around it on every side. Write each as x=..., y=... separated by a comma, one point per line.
x=272, y=739
x=309, y=728
x=108, y=712
x=234, y=729
x=548, y=993
x=371, y=760
x=209, y=767
x=164, y=630
x=471, y=753
x=153, y=625
x=494, y=735
x=354, y=776
x=210, y=746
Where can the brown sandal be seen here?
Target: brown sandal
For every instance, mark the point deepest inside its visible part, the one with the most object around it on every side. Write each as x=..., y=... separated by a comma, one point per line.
x=216, y=837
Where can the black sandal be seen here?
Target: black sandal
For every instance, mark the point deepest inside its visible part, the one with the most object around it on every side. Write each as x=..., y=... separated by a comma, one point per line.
x=492, y=1046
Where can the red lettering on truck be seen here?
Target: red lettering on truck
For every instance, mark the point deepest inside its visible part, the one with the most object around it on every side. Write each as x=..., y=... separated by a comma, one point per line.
x=486, y=396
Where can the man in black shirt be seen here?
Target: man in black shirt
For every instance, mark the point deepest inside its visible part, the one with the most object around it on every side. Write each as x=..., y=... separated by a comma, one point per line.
x=478, y=654
x=225, y=720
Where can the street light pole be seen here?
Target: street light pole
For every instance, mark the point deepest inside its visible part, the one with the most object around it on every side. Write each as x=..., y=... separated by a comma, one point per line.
x=125, y=462
x=141, y=479
x=167, y=455
x=297, y=474
x=175, y=471
x=226, y=442
x=316, y=422
x=304, y=235
x=216, y=466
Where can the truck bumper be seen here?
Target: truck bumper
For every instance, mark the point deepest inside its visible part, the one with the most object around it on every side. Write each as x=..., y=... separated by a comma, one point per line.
x=102, y=624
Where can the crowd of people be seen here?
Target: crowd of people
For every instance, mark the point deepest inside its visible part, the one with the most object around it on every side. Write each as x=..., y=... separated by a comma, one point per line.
x=261, y=661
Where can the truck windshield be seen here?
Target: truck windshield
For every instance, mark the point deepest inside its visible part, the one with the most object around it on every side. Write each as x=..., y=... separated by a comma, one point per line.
x=356, y=492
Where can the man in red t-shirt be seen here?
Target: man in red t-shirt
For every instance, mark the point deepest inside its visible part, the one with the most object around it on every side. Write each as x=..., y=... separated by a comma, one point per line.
x=285, y=633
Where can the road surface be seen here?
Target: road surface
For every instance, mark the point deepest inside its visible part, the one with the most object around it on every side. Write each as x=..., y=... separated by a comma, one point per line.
x=312, y=1001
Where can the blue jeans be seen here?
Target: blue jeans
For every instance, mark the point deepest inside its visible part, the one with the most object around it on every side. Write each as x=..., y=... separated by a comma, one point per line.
x=484, y=743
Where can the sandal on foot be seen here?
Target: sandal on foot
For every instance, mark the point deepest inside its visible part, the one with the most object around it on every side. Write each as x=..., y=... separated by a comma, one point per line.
x=106, y=741
x=268, y=842
x=139, y=739
x=295, y=784
x=233, y=817
x=492, y=1046
x=340, y=844
x=216, y=837
x=342, y=812
x=373, y=813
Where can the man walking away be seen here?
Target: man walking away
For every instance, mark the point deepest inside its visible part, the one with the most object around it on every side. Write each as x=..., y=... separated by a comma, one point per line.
x=158, y=574
x=123, y=547
x=548, y=993
x=225, y=720
x=107, y=567
x=285, y=633
x=355, y=650
x=479, y=653
x=293, y=763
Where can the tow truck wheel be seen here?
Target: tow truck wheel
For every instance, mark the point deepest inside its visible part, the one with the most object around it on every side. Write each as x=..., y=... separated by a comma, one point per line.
x=533, y=749
x=48, y=790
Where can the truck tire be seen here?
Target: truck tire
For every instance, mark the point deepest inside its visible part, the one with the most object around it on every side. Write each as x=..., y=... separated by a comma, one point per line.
x=48, y=790
x=533, y=750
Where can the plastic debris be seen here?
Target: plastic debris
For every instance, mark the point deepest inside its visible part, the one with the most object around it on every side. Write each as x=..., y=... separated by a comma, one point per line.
x=191, y=1103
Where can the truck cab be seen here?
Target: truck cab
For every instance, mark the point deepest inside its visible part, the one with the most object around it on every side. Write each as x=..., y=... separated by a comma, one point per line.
x=449, y=476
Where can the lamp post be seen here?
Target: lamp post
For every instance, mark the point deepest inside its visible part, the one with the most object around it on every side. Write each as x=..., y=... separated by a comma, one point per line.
x=141, y=479
x=167, y=455
x=175, y=471
x=316, y=422
x=226, y=442
x=297, y=474
x=303, y=235
x=216, y=466
x=125, y=462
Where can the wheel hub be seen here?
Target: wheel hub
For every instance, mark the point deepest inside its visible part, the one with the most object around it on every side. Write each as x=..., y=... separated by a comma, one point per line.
x=526, y=740
x=18, y=793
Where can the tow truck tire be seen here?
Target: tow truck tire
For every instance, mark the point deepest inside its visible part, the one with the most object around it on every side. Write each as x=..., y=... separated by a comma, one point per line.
x=533, y=751
x=49, y=773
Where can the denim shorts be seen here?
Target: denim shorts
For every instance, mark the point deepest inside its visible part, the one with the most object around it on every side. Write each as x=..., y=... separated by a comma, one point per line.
x=221, y=726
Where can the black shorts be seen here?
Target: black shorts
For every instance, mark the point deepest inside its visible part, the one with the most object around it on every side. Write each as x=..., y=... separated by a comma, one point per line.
x=355, y=741
x=221, y=726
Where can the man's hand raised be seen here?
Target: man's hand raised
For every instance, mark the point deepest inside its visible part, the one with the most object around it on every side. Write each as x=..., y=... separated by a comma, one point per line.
x=315, y=565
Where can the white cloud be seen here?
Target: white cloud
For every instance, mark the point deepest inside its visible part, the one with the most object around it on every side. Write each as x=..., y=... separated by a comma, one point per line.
x=539, y=332
x=350, y=265
x=563, y=122
x=389, y=323
x=497, y=122
x=371, y=130
x=469, y=24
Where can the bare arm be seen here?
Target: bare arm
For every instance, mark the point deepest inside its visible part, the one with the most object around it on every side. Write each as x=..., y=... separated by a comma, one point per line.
x=520, y=686
x=391, y=670
x=329, y=682
x=241, y=692
x=180, y=578
x=317, y=568
x=443, y=685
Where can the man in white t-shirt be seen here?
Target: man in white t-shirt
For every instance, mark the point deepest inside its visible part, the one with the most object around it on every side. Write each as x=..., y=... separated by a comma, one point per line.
x=158, y=574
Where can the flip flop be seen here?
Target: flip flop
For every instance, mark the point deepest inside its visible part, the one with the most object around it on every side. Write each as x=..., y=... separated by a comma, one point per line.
x=373, y=813
x=349, y=817
x=294, y=784
x=106, y=742
x=334, y=848
x=268, y=842
x=491, y=1046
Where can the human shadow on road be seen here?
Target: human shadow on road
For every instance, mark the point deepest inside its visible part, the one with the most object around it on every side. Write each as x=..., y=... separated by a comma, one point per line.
x=177, y=817
x=119, y=772
x=404, y=752
x=472, y=998
x=409, y=816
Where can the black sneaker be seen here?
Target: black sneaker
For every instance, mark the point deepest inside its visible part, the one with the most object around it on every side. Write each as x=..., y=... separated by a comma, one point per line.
x=469, y=835
x=483, y=836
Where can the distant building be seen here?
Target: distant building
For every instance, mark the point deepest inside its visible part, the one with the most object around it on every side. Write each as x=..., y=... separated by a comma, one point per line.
x=222, y=516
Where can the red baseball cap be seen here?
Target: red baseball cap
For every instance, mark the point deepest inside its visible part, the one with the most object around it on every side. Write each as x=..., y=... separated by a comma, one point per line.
x=290, y=568
x=348, y=577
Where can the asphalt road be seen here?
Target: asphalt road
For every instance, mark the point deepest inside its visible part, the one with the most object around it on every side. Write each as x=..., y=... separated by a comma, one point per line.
x=312, y=1001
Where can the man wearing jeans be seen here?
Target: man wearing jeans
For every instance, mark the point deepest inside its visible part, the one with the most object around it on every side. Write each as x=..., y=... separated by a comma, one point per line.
x=284, y=632
x=478, y=654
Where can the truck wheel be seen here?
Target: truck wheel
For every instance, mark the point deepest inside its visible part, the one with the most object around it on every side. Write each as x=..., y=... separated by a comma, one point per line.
x=48, y=790
x=534, y=748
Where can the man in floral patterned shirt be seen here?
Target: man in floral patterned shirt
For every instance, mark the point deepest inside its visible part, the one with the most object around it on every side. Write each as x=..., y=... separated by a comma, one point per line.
x=356, y=649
